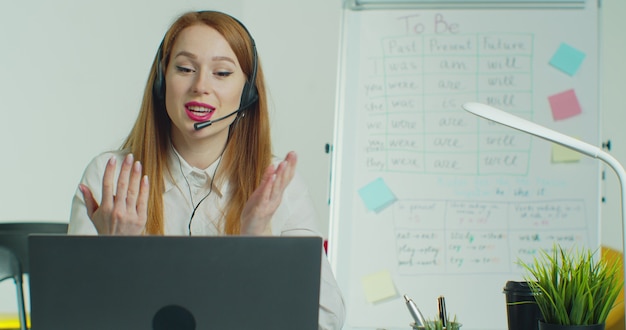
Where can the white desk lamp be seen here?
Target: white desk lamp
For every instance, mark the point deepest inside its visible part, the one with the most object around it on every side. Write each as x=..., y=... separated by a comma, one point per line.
x=524, y=125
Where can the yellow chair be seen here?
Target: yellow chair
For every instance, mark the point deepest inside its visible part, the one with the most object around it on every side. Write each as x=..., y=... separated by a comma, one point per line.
x=615, y=320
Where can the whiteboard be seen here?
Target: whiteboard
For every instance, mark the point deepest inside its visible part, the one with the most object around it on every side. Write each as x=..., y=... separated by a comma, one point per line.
x=428, y=200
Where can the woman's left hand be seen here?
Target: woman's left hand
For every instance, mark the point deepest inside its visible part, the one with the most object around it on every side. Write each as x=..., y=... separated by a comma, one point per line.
x=257, y=213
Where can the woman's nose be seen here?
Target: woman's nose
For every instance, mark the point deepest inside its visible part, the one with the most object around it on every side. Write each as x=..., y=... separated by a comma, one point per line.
x=202, y=83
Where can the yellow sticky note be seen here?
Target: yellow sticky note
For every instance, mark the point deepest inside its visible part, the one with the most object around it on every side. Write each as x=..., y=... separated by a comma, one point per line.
x=378, y=286
x=561, y=154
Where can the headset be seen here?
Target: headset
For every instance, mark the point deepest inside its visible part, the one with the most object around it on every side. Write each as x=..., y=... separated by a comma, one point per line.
x=249, y=94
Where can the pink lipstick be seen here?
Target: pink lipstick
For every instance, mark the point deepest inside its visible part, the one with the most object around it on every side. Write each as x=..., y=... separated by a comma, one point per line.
x=198, y=111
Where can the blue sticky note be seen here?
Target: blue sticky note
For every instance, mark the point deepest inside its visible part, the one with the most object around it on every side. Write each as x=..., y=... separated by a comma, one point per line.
x=567, y=59
x=376, y=195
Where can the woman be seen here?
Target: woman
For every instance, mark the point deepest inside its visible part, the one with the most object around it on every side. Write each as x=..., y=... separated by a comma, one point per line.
x=198, y=160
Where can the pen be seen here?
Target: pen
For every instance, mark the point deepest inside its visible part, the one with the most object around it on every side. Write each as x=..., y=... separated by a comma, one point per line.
x=441, y=305
x=415, y=312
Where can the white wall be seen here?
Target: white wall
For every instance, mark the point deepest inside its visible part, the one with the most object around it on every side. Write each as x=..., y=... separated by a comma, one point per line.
x=299, y=48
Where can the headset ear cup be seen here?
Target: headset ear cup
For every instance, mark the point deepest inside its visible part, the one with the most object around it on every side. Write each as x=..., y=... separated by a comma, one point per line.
x=158, y=87
x=249, y=95
x=254, y=94
x=158, y=90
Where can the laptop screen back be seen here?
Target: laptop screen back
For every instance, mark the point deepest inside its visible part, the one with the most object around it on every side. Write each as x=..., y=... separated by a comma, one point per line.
x=110, y=282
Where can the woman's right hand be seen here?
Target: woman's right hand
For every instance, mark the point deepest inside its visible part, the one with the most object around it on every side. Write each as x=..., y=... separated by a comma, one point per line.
x=126, y=211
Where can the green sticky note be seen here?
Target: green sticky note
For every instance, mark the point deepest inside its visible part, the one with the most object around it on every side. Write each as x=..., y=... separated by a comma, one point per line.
x=376, y=195
x=567, y=59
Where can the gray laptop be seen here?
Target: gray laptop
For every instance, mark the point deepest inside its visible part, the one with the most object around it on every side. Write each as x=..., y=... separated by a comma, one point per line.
x=110, y=282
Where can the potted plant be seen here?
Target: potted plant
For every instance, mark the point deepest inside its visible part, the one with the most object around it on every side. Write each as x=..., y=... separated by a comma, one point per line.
x=573, y=290
x=437, y=324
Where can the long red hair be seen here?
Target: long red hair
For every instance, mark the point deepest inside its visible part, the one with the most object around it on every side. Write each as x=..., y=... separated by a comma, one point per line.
x=248, y=151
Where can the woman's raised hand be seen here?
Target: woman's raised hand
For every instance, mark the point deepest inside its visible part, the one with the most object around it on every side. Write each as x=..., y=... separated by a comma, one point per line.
x=126, y=211
x=257, y=213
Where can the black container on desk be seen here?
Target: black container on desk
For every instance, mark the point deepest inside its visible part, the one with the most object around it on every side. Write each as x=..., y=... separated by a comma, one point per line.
x=521, y=308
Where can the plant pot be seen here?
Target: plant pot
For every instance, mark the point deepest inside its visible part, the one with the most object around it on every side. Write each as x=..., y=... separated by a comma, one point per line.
x=548, y=326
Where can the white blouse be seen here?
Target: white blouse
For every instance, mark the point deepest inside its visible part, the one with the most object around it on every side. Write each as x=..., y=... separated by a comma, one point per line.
x=187, y=187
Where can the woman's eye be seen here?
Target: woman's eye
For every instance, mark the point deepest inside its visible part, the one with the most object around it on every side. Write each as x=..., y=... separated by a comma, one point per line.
x=184, y=69
x=223, y=73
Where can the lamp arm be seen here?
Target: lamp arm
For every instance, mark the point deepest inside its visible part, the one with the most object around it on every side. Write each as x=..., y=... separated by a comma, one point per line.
x=529, y=127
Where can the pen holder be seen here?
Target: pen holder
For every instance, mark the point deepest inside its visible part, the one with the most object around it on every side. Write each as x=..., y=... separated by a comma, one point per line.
x=436, y=326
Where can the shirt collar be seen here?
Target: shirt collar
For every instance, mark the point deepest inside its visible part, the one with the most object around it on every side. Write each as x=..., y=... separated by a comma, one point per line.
x=179, y=167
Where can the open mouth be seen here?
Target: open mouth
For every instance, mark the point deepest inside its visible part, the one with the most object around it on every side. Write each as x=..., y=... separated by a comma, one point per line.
x=199, y=112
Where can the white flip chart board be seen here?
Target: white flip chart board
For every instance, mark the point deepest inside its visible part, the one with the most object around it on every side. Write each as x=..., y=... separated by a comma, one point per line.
x=428, y=200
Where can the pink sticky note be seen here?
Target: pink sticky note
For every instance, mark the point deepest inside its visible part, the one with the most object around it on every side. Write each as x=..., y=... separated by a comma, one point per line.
x=564, y=105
